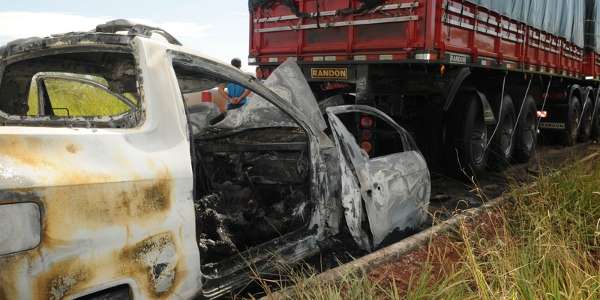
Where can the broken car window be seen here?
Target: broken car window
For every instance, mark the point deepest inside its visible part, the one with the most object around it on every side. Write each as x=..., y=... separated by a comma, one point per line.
x=72, y=98
x=370, y=130
x=208, y=108
x=74, y=89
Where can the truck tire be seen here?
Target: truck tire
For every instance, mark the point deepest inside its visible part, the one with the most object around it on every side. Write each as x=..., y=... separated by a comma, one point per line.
x=596, y=122
x=502, y=145
x=585, y=129
x=526, y=135
x=570, y=134
x=466, y=137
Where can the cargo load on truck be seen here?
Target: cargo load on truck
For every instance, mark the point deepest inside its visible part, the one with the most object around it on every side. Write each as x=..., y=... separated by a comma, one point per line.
x=564, y=18
x=592, y=26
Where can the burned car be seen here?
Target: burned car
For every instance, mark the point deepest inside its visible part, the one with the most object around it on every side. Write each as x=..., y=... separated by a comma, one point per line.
x=114, y=184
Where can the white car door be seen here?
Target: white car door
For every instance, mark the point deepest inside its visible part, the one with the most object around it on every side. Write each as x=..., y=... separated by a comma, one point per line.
x=391, y=192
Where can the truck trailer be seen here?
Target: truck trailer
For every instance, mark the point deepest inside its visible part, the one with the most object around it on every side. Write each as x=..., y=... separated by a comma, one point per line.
x=476, y=82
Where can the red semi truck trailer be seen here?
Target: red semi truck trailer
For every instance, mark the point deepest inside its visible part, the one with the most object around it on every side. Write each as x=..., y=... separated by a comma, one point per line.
x=476, y=82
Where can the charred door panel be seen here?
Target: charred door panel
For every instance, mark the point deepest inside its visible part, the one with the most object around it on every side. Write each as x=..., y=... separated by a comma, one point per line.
x=394, y=189
x=259, y=179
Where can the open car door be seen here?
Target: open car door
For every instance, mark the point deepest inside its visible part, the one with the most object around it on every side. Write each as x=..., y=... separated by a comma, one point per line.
x=390, y=192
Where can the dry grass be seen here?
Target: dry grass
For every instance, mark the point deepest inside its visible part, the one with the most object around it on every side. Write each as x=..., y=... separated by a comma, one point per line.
x=542, y=244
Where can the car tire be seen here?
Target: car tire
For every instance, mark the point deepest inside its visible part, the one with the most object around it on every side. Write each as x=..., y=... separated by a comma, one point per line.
x=526, y=135
x=466, y=137
x=502, y=146
x=571, y=133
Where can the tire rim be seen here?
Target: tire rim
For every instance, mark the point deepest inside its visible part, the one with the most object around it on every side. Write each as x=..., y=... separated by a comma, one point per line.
x=506, y=136
x=574, y=129
x=587, y=128
x=528, y=137
x=478, y=143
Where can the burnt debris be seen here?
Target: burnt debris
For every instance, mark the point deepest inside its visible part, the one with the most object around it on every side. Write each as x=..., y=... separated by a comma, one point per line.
x=258, y=190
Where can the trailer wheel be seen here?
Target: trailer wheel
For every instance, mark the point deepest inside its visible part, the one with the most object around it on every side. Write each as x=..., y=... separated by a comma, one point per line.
x=571, y=132
x=596, y=122
x=526, y=135
x=466, y=136
x=585, y=128
x=502, y=146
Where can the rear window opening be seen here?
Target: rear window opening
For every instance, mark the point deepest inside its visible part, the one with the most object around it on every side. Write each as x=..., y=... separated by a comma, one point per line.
x=85, y=89
x=252, y=169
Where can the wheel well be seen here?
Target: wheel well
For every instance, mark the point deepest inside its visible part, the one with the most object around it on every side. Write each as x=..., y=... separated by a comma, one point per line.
x=468, y=87
x=461, y=76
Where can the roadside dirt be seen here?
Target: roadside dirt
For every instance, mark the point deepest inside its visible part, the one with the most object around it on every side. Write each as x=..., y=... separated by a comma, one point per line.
x=438, y=258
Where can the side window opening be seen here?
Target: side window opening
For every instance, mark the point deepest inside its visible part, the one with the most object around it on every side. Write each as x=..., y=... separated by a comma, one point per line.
x=73, y=89
x=213, y=111
x=375, y=136
x=75, y=95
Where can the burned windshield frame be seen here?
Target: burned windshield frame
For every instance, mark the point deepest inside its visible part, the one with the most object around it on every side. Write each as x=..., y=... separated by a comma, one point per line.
x=218, y=70
x=219, y=73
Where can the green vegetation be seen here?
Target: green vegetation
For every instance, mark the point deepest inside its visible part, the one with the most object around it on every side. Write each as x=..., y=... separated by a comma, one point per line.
x=75, y=99
x=542, y=244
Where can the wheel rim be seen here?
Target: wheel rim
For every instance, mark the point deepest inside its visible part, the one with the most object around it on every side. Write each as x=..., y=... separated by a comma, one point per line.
x=588, y=125
x=574, y=129
x=587, y=122
x=528, y=137
x=506, y=136
x=478, y=143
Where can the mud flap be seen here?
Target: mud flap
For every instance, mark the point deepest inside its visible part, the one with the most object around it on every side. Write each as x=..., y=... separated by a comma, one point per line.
x=395, y=188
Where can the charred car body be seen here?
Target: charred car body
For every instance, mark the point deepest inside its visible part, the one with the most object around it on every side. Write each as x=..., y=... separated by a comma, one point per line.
x=113, y=184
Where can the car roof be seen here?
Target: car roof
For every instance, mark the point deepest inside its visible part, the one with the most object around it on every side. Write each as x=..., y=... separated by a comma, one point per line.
x=117, y=32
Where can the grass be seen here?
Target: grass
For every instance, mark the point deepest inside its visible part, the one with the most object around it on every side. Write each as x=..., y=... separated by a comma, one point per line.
x=542, y=244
